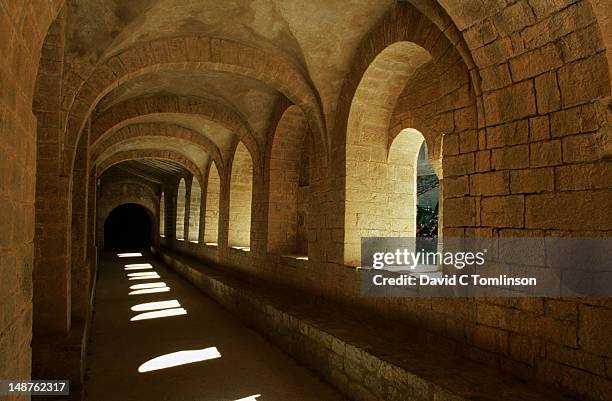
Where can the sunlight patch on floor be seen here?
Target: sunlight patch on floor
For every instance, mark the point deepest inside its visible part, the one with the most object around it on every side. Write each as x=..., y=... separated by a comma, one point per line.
x=149, y=291
x=136, y=274
x=156, y=305
x=148, y=285
x=147, y=277
x=250, y=398
x=179, y=358
x=129, y=254
x=138, y=266
x=149, y=288
x=159, y=313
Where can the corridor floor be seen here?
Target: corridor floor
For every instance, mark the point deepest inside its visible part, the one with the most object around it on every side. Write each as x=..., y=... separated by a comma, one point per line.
x=249, y=368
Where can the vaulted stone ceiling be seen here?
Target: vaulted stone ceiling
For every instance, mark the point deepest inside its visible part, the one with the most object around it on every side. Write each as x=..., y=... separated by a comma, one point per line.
x=316, y=39
x=153, y=171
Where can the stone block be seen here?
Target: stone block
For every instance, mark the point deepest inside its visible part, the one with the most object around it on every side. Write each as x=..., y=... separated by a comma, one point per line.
x=468, y=141
x=562, y=310
x=532, y=180
x=482, y=161
x=535, y=62
x=546, y=153
x=456, y=187
x=510, y=157
x=580, y=148
x=594, y=330
x=502, y=211
x=552, y=211
x=490, y=339
x=493, y=183
x=584, y=80
x=495, y=77
x=574, y=121
x=539, y=128
x=507, y=134
x=458, y=165
x=575, y=177
x=523, y=348
x=459, y=212
x=547, y=93
x=514, y=18
x=497, y=316
x=511, y=103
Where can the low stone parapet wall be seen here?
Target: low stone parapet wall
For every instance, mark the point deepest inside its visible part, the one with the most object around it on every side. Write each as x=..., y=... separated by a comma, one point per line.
x=363, y=360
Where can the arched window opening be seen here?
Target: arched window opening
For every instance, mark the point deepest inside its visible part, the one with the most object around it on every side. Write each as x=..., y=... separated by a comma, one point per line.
x=180, y=210
x=194, y=210
x=211, y=215
x=375, y=178
x=162, y=216
x=303, y=200
x=413, y=192
x=428, y=195
x=241, y=189
x=289, y=182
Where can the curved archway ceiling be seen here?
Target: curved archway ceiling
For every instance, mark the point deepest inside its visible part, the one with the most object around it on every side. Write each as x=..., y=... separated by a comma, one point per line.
x=318, y=37
x=181, y=146
x=251, y=98
x=153, y=171
x=220, y=136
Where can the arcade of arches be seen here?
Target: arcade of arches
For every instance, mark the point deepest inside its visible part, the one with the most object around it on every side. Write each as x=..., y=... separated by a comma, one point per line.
x=256, y=142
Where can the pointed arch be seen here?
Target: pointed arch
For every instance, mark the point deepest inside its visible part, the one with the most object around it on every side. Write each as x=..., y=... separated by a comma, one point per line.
x=195, y=201
x=181, y=194
x=162, y=215
x=211, y=215
x=241, y=198
x=288, y=178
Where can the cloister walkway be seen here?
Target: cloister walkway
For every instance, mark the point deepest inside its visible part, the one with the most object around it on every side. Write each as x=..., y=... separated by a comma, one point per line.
x=140, y=330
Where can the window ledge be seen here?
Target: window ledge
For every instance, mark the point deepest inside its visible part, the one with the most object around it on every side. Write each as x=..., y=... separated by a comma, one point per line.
x=295, y=256
x=242, y=248
x=295, y=261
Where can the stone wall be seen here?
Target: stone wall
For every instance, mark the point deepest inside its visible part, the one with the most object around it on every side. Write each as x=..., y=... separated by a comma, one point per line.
x=211, y=215
x=284, y=163
x=240, y=198
x=23, y=27
x=121, y=191
x=524, y=112
x=512, y=97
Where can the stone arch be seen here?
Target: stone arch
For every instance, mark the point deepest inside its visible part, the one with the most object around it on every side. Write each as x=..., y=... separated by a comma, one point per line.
x=213, y=197
x=130, y=111
x=195, y=203
x=386, y=68
x=376, y=96
x=241, y=198
x=601, y=9
x=402, y=182
x=287, y=180
x=199, y=52
x=104, y=164
x=151, y=218
x=368, y=165
x=162, y=215
x=122, y=192
x=131, y=132
x=392, y=29
x=125, y=201
x=181, y=207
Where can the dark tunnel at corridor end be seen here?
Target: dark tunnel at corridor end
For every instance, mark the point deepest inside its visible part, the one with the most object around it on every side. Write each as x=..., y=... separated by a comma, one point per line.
x=127, y=227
